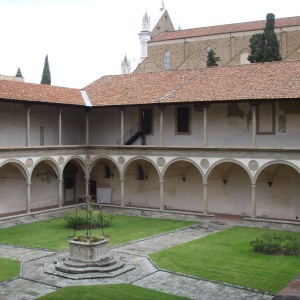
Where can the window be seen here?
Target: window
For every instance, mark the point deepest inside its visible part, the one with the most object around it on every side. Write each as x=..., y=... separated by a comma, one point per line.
x=183, y=120
x=266, y=118
x=146, y=120
x=42, y=142
x=167, y=60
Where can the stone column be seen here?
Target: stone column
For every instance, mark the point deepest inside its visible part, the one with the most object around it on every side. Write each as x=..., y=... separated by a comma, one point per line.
x=253, y=201
x=205, y=126
x=161, y=125
x=60, y=193
x=28, y=197
x=205, y=202
x=254, y=105
x=122, y=180
x=59, y=127
x=161, y=194
x=122, y=109
x=87, y=185
x=87, y=127
x=28, y=111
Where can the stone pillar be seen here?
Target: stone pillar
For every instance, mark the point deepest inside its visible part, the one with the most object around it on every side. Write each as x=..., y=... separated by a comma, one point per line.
x=28, y=111
x=87, y=185
x=254, y=105
x=205, y=202
x=59, y=127
x=28, y=197
x=161, y=125
x=60, y=193
x=122, y=109
x=122, y=180
x=161, y=194
x=87, y=127
x=253, y=201
x=205, y=126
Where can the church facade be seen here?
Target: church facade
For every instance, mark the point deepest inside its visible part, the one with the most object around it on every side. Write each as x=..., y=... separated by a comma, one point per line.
x=222, y=140
x=165, y=48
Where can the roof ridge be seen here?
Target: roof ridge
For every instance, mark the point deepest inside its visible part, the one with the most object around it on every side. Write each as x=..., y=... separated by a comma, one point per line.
x=180, y=85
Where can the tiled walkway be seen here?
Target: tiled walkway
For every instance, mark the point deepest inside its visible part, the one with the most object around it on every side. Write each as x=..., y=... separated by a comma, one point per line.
x=33, y=282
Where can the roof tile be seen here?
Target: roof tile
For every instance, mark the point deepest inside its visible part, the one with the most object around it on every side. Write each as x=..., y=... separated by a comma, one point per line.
x=23, y=91
x=222, y=29
x=262, y=81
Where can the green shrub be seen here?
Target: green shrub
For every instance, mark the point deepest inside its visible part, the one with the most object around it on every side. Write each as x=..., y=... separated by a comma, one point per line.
x=277, y=244
x=81, y=218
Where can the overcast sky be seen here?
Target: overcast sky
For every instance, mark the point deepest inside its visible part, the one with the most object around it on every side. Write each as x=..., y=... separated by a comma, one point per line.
x=86, y=39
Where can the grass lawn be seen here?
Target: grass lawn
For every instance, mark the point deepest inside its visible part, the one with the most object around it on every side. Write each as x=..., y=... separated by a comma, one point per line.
x=53, y=234
x=228, y=256
x=9, y=268
x=108, y=292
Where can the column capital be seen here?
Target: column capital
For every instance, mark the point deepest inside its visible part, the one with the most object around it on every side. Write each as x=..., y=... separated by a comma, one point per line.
x=28, y=106
x=59, y=109
x=161, y=107
x=253, y=104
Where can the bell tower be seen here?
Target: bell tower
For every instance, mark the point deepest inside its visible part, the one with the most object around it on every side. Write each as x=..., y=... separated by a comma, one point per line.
x=145, y=36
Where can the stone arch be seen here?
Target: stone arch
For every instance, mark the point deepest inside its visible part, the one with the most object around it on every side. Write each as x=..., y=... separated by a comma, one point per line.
x=183, y=185
x=108, y=158
x=44, y=184
x=182, y=159
x=264, y=166
x=105, y=180
x=75, y=175
x=277, y=191
x=233, y=161
x=142, y=188
x=13, y=179
x=80, y=162
x=19, y=165
x=139, y=158
x=229, y=188
x=50, y=162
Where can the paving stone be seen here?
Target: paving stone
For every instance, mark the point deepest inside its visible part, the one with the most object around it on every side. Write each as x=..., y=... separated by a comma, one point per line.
x=196, y=289
x=22, y=289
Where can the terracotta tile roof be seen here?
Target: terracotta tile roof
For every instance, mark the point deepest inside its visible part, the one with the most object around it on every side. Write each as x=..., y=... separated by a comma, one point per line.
x=228, y=28
x=264, y=81
x=133, y=89
x=23, y=91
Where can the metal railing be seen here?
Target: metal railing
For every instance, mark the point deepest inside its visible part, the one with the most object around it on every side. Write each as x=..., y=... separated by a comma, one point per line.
x=134, y=131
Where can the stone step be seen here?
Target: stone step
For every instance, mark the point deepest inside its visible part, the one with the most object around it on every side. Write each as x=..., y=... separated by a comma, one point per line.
x=102, y=263
x=60, y=266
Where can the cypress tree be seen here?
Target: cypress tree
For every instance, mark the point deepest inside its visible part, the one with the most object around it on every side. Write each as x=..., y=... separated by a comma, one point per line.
x=212, y=59
x=46, y=77
x=265, y=46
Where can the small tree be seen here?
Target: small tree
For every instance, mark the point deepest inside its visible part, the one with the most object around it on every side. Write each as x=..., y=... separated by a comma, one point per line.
x=46, y=77
x=265, y=46
x=212, y=59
